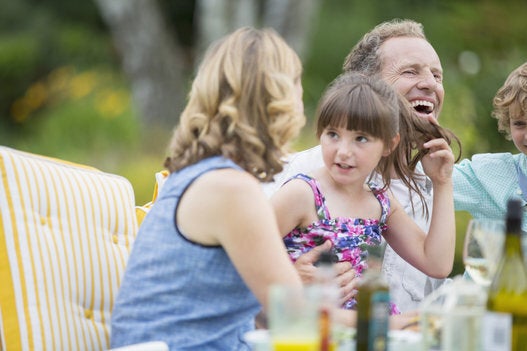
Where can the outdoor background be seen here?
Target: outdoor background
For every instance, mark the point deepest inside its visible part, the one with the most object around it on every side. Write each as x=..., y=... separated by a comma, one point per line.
x=102, y=82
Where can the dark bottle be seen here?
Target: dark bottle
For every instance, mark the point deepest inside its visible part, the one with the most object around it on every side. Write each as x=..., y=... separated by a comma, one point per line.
x=373, y=306
x=507, y=296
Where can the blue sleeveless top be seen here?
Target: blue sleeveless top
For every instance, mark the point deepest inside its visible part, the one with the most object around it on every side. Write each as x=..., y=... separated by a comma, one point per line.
x=175, y=290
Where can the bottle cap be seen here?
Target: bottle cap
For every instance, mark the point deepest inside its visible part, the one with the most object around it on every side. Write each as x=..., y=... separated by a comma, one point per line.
x=514, y=208
x=514, y=216
x=326, y=257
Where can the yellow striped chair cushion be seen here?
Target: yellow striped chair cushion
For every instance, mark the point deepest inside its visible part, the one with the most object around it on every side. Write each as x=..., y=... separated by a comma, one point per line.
x=142, y=211
x=66, y=231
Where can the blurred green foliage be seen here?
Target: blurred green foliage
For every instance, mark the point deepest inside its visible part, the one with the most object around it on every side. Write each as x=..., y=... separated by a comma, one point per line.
x=62, y=92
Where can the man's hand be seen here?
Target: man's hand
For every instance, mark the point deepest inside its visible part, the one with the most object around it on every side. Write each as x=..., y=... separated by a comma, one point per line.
x=345, y=274
x=347, y=281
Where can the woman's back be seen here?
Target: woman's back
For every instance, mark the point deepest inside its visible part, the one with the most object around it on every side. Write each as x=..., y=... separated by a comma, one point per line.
x=194, y=309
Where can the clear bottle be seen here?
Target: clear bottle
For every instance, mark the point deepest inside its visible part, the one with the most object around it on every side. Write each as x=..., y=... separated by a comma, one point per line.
x=373, y=306
x=506, y=320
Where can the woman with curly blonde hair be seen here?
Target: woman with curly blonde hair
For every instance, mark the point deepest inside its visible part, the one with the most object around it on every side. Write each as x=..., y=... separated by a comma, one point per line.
x=242, y=105
x=209, y=249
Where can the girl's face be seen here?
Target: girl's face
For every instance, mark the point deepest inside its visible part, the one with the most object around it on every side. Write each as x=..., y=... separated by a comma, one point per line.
x=518, y=125
x=350, y=156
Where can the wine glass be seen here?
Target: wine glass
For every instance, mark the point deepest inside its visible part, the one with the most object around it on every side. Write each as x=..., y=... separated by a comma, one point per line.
x=482, y=249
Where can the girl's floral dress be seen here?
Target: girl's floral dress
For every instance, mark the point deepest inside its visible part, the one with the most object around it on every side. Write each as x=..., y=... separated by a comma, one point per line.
x=348, y=235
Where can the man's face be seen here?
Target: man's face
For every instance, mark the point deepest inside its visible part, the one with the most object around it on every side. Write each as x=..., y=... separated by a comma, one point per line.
x=413, y=68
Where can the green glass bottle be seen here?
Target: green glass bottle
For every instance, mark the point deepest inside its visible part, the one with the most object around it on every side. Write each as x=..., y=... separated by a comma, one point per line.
x=507, y=295
x=373, y=306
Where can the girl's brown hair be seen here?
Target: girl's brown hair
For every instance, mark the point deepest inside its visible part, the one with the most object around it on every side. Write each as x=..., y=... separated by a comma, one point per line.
x=358, y=102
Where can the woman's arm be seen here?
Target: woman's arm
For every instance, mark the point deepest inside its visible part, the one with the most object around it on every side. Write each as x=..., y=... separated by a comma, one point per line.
x=228, y=207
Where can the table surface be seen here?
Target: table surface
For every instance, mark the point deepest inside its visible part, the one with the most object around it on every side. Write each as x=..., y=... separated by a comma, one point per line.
x=399, y=340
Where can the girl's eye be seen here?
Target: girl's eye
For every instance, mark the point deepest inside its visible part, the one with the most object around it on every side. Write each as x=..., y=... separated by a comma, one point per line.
x=332, y=134
x=519, y=123
x=362, y=139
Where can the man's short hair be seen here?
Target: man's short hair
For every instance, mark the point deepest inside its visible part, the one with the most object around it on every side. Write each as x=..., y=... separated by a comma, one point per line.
x=364, y=56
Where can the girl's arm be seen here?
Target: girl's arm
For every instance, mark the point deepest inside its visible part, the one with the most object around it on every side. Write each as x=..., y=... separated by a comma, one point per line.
x=294, y=205
x=228, y=207
x=433, y=254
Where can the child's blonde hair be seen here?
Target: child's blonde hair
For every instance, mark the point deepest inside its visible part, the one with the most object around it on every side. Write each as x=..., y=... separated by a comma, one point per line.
x=513, y=94
x=243, y=104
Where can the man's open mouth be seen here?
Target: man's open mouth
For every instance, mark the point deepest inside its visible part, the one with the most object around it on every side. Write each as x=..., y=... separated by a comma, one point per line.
x=423, y=106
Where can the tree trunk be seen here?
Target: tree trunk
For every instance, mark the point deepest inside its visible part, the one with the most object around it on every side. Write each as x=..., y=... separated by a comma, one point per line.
x=291, y=18
x=216, y=18
x=150, y=58
x=153, y=61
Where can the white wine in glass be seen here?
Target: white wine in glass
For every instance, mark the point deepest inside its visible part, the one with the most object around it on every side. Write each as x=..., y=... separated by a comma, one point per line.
x=482, y=249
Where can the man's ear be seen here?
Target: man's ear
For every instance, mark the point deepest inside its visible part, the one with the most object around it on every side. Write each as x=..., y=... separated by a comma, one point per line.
x=395, y=141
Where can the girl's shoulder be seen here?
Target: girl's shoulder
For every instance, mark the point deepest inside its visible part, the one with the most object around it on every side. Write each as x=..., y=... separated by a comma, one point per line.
x=302, y=176
x=377, y=189
x=299, y=181
x=299, y=187
x=382, y=195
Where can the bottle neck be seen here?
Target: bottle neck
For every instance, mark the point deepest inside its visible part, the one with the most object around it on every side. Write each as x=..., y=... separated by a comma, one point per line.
x=513, y=236
x=374, y=265
x=513, y=226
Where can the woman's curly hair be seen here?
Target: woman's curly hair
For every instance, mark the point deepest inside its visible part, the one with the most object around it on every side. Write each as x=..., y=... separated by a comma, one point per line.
x=243, y=104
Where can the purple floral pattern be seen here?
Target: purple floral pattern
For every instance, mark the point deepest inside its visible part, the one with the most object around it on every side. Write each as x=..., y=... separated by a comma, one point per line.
x=347, y=235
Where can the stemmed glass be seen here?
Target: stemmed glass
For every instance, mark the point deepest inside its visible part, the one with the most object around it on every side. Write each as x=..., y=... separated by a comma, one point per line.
x=482, y=249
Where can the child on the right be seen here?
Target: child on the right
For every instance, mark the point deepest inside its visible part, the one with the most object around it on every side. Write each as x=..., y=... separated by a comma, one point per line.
x=484, y=183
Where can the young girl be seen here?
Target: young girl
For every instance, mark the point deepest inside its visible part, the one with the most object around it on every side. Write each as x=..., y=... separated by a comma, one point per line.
x=358, y=128
x=203, y=260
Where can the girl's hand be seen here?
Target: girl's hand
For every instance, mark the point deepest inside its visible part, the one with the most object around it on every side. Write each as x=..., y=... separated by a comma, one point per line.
x=346, y=278
x=438, y=163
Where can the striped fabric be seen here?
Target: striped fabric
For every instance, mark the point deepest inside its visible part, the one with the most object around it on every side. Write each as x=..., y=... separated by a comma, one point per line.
x=66, y=231
x=142, y=211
